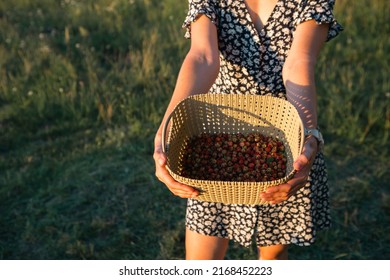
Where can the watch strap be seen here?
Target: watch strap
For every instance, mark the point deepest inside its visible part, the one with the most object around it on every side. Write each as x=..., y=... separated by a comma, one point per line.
x=316, y=133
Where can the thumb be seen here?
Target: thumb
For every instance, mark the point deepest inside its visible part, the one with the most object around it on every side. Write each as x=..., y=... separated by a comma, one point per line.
x=308, y=152
x=159, y=155
x=162, y=159
x=300, y=162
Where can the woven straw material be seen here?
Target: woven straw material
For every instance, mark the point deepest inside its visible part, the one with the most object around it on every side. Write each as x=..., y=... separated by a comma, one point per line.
x=231, y=113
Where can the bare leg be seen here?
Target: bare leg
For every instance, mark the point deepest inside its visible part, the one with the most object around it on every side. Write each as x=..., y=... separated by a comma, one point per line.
x=274, y=252
x=203, y=247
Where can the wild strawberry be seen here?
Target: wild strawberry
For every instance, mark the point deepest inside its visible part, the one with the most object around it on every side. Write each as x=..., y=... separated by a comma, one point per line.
x=238, y=157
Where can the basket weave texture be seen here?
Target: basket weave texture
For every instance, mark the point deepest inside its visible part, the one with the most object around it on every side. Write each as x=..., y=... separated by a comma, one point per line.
x=231, y=114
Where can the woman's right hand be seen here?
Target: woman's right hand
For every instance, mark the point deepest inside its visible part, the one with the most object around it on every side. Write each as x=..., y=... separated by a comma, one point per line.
x=163, y=175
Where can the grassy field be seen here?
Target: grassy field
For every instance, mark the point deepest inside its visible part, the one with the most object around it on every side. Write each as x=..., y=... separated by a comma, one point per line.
x=83, y=87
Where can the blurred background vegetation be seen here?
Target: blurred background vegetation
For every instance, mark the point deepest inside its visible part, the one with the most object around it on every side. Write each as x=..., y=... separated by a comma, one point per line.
x=83, y=87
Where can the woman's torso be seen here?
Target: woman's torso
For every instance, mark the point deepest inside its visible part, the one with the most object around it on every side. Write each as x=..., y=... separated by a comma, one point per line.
x=252, y=59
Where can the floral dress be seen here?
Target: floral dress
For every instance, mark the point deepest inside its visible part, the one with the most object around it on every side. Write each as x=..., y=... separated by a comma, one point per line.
x=251, y=62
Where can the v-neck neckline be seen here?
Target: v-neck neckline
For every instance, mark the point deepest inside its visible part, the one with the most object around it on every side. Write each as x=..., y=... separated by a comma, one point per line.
x=260, y=32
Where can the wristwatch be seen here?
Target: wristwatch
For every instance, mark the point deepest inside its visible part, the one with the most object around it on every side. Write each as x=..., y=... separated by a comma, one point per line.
x=316, y=133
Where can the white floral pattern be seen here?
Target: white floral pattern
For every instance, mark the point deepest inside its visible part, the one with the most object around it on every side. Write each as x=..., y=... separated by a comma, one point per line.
x=251, y=62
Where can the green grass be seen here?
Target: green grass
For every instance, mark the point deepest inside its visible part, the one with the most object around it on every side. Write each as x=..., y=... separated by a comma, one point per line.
x=83, y=87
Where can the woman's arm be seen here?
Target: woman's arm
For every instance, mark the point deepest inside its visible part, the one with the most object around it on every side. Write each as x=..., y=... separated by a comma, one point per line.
x=197, y=74
x=299, y=69
x=299, y=79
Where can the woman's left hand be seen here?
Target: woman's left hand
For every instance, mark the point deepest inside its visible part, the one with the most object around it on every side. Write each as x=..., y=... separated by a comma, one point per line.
x=302, y=165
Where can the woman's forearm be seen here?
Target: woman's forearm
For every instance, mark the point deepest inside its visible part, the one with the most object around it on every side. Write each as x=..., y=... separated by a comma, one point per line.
x=201, y=65
x=299, y=69
x=196, y=75
x=300, y=89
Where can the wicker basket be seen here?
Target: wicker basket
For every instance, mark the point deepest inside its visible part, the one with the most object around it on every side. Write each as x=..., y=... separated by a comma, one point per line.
x=231, y=113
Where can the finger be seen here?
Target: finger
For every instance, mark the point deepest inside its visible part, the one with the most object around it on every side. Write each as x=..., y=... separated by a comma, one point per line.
x=160, y=159
x=308, y=153
x=159, y=156
x=275, y=192
x=279, y=188
x=184, y=194
x=284, y=191
x=300, y=162
x=183, y=190
x=175, y=187
x=165, y=177
x=276, y=197
x=296, y=186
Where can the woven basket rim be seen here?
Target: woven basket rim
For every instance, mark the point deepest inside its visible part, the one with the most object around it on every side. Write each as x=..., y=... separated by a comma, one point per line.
x=197, y=183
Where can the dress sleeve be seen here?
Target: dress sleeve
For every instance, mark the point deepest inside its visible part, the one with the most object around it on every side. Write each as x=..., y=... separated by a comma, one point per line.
x=322, y=12
x=196, y=8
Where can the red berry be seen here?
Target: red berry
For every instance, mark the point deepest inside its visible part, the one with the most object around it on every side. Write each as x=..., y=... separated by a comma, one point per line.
x=237, y=157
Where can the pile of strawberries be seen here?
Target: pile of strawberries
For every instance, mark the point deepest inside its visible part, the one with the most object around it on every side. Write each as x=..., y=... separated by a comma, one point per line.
x=250, y=157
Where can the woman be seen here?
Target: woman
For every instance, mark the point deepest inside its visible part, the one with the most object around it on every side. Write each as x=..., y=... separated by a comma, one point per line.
x=266, y=47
